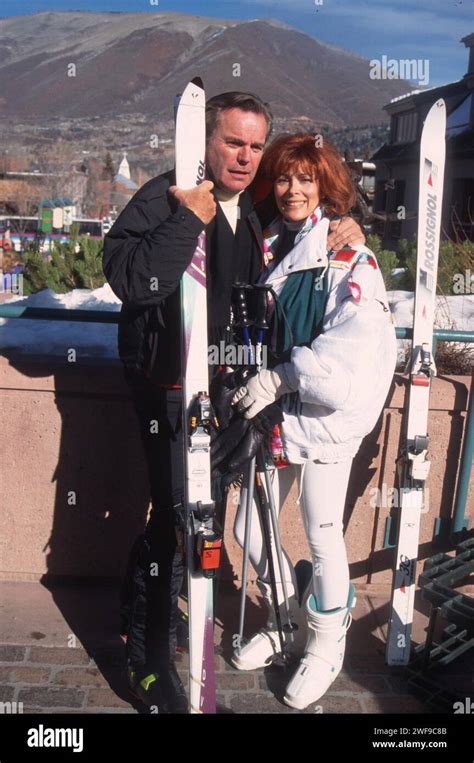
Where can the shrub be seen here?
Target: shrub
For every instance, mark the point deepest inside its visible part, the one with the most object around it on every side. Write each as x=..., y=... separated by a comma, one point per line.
x=76, y=264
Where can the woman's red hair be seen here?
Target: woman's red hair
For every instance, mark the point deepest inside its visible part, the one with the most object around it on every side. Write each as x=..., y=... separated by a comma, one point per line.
x=301, y=153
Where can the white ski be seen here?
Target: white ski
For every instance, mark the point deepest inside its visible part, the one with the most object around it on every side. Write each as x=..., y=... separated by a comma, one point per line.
x=202, y=544
x=412, y=462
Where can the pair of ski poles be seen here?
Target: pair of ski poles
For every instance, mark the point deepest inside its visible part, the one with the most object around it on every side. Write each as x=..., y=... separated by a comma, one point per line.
x=265, y=500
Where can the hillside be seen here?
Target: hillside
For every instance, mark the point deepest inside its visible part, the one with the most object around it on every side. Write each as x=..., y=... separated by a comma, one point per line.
x=134, y=63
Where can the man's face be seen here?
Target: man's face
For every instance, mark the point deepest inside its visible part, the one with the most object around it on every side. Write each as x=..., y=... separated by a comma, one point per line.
x=235, y=149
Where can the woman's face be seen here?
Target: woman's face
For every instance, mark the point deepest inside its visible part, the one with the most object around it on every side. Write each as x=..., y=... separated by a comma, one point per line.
x=296, y=195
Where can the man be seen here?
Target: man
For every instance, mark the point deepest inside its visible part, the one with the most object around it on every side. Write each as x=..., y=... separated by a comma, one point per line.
x=145, y=254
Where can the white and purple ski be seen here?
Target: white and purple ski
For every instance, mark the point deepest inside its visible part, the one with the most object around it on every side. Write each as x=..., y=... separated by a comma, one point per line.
x=202, y=542
x=413, y=463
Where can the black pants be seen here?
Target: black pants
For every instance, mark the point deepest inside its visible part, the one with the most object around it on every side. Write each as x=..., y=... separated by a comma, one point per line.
x=150, y=590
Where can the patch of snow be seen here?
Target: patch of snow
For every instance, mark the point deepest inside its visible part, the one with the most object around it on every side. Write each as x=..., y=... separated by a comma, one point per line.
x=51, y=337
x=56, y=338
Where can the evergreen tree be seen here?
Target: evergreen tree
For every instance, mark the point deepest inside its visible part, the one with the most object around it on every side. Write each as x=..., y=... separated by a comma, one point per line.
x=75, y=264
x=108, y=172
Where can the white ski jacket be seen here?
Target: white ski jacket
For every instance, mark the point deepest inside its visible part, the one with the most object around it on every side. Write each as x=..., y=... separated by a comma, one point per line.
x=344, y=377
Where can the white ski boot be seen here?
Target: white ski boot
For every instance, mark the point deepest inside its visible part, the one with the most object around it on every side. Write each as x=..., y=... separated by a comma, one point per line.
x=324, y=653
x=264, y=646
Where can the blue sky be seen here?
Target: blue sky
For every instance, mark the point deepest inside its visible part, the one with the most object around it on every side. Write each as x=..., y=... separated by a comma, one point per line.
x=398, y=29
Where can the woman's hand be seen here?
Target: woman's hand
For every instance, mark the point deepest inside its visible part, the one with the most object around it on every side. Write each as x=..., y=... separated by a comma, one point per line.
x=342, y=232
x=261, y=390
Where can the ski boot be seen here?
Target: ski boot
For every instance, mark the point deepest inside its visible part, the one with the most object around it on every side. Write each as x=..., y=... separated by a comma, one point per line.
x=162, y=689
x=324, y=654
x=264, y=646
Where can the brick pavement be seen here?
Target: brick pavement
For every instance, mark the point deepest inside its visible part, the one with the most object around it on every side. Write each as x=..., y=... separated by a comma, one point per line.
x=89, y=677
x=68, y=680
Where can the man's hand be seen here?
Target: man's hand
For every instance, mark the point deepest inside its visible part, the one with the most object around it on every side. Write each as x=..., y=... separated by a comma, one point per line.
x=342, y=232
x=199, y=200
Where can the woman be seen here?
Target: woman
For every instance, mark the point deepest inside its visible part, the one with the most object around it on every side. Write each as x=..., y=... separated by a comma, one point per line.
x=337, y=352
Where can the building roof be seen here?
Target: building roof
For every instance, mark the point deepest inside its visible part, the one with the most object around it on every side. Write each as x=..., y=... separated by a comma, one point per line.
x=66, y=201
x=126, y=182
x=396, y=153
x=430, y=95
x=459, y=128
x=419, y=97
x=407, y=95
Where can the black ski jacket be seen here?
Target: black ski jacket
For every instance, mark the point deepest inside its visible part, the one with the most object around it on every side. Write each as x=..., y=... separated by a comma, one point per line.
x=146, y=252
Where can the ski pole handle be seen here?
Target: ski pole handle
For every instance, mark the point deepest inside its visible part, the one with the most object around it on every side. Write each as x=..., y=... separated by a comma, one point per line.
x=242, y=320
x=239, y=303
x=262, y=306
x=261, y=319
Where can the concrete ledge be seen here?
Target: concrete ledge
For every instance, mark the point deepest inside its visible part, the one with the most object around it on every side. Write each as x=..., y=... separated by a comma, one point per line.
x=75, y=488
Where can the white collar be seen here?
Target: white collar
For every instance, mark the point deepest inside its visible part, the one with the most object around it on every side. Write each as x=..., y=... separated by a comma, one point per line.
x=310, y=252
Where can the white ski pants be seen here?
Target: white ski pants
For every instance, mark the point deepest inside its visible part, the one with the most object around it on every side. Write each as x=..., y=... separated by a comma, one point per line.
x=322, y=490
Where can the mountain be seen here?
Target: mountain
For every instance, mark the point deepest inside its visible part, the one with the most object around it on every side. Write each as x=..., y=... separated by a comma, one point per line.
x=135, y=63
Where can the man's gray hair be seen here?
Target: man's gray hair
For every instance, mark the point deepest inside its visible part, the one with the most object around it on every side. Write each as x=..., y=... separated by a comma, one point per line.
x=235, y=100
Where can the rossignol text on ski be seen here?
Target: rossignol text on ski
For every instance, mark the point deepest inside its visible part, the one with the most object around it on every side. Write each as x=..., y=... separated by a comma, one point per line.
x=203, y=544
x=412, y=462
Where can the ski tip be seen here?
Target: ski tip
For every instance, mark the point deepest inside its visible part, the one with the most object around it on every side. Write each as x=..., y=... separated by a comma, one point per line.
x=198, y=82
x=439, y=107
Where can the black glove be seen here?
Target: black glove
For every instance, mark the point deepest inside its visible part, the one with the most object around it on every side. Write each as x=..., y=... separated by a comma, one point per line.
x=222, y=390
x=236, y=445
